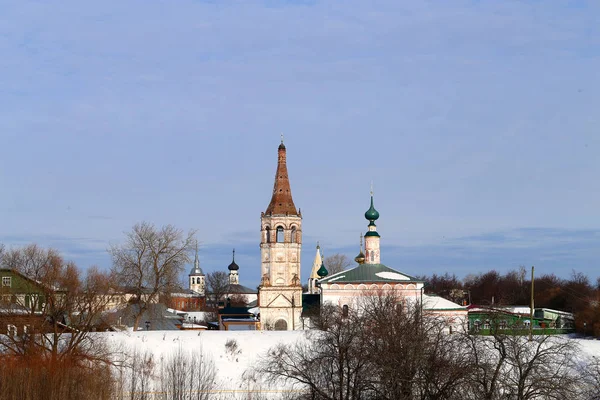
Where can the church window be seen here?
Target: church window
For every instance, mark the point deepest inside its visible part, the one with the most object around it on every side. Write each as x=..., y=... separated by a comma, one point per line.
x=372, y=256
x=6, y=281
x=345, y=310
x=268, y=230
x=294, y=234
x=280, y=238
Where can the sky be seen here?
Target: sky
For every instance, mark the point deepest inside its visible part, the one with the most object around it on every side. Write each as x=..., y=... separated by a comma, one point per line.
x=476, y=121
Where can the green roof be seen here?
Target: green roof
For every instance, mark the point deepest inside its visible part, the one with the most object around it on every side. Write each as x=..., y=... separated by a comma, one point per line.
x=368, y=273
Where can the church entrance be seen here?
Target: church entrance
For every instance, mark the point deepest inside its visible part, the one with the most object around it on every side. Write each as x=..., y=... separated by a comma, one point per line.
x=281, y=325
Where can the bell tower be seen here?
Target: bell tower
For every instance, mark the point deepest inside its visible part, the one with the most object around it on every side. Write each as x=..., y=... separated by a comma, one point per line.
x=280, y=291
x=197, y=280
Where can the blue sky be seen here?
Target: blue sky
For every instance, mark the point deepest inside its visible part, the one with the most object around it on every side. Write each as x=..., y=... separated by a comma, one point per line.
x=476, y=120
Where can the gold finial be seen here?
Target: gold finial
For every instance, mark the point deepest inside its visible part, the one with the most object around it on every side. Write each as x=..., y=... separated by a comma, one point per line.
x=360, y=258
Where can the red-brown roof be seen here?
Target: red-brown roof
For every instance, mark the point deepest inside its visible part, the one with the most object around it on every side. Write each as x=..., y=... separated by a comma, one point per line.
x=281, y=201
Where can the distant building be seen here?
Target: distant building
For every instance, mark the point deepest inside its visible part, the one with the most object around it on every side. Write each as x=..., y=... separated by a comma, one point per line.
x=237, y=319
x=485, y=320
x=22, y=303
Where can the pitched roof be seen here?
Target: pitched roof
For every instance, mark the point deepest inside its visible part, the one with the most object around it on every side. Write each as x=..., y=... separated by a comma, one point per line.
x=437, y=303
x=370, y=273
x=235, y=288
x=281, y=201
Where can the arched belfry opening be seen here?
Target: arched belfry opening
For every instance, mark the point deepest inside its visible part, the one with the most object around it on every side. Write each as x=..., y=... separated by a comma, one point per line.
x=280, y=235
x=293, y=235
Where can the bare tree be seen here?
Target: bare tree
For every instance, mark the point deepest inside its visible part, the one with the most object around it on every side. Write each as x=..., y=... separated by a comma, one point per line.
x=336, y=263
x=187, y=375
x=53, y=311
x=136, y=373
x=410, y=354
x=507, y=365
x=589, y=371
x=150, y=261
x=217, y=286
x=329, y=364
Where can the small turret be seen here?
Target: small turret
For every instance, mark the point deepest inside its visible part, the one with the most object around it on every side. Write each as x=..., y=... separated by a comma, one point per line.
x=360, y=258
x=234, y=278
x=196, y=276
x=372, y=255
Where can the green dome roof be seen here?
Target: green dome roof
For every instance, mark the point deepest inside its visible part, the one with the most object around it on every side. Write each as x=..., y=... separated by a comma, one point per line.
x=322, y=272
x=372, y=214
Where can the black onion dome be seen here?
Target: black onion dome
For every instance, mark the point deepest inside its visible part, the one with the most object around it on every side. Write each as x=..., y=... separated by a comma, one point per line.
x=233, y=266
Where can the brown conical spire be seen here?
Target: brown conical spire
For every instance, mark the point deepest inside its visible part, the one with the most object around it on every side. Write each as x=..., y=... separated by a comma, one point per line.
x=281, y=201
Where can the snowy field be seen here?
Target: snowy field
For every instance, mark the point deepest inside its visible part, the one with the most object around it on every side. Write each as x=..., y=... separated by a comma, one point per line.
x=251, y=346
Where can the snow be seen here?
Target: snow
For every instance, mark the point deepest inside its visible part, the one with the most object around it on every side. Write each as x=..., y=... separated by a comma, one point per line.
x=392, y=275
x=439, y=303
x=336, y=278
x=253, y=345
x=193, y=326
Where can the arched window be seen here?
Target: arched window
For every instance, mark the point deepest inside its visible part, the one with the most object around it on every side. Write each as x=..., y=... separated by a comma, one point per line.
x=372, y=256
x=268, y=230
x=280, y=238
x=193, y=281
x=280, y=325
x=345, y=310
x=294, y=234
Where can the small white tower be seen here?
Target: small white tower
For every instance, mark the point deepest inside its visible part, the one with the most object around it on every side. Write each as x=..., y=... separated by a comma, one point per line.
x=314, y=276
x=234, y=277
x=197, y=279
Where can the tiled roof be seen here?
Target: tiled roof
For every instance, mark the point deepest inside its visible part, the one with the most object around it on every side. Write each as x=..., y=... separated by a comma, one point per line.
x=281, y=201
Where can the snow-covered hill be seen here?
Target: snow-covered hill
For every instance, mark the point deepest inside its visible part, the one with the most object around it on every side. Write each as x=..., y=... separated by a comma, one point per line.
x=232, y=365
